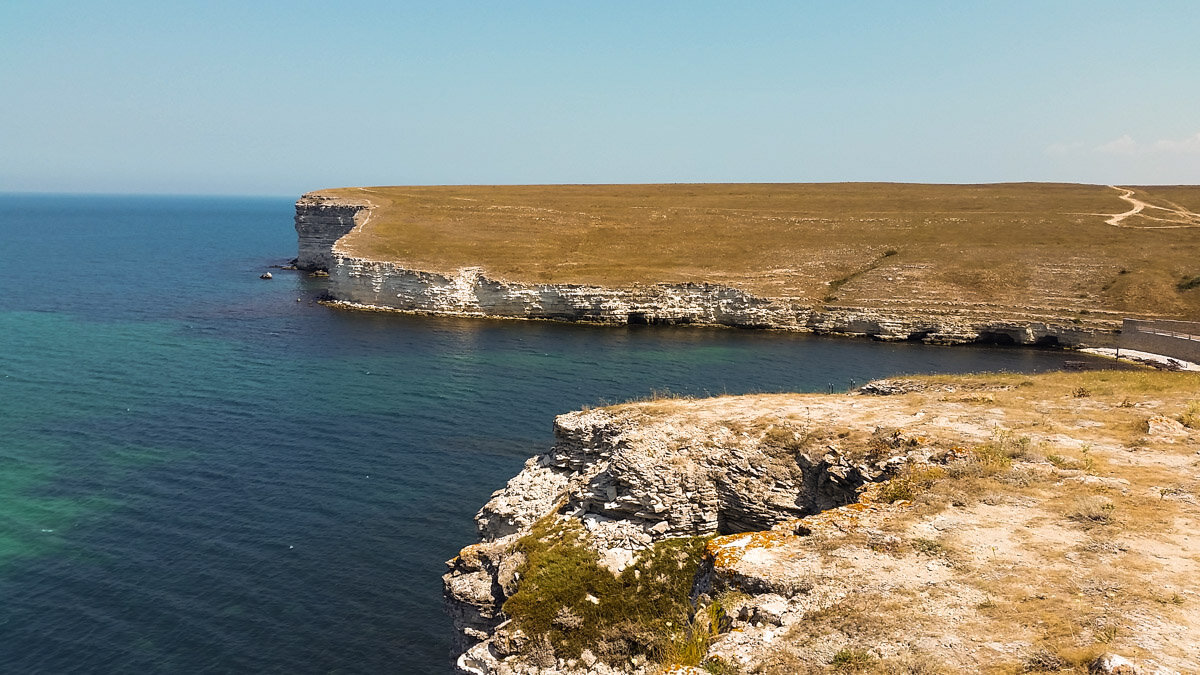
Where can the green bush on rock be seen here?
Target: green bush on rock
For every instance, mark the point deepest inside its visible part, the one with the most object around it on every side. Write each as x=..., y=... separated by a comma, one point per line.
x=566, y=594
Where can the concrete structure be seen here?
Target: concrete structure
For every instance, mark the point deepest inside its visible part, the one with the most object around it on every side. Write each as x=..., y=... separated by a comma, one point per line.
x=1176, y=339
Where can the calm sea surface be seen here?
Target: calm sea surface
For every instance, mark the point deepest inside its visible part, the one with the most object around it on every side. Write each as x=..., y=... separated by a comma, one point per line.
x=205, y=472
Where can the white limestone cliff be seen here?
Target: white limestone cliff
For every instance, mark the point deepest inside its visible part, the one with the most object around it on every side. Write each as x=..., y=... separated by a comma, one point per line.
x=387, y=285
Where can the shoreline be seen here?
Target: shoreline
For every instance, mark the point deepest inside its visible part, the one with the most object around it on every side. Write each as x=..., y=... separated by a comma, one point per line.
x=323, y=224
x=909, y=504
x=1129, y=356
x=351, y=306
x=1159, y=361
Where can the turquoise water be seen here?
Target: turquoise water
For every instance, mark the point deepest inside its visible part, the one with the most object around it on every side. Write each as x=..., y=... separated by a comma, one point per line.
x=201, y=471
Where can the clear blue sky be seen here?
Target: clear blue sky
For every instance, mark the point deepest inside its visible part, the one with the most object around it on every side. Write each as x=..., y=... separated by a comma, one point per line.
x=283, y=97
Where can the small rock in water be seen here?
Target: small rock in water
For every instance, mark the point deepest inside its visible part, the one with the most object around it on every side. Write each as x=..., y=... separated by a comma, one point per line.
x=265, y=275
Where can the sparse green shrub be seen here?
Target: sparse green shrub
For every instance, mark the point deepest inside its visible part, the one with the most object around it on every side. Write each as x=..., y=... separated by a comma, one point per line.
x=1187, y=284
x=566, y=595
x=1191, y=415
x=1107, y=634
x=786, y=437
x=851, y=659
x=1081, y=392
x=928, y=546
x=1005, y=445
x=1044, y=660
x=1059, y=461
x=689, y=646
x=911, y=483
x=911, y=665
x=994, y=457
x=897, y=489
x=718, y=667
x=1086, y=463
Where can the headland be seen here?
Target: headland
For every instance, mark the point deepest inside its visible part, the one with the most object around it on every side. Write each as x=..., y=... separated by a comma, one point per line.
x=1024, y=263
x=979, y=523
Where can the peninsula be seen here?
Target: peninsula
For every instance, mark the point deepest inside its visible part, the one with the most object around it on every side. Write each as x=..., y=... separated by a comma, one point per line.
x=1026, y=263
x=977, y=523
x=948, y=524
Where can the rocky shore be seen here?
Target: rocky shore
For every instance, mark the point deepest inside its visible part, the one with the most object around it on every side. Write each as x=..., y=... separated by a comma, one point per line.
x=926, y=525
x=389, y=285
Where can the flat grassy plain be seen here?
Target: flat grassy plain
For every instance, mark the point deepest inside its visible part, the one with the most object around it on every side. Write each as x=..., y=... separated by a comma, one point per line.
x=1018, y=249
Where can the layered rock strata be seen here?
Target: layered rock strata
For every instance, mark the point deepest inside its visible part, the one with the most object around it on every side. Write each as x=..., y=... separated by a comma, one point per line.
x=631, y=483
x=320, y=222
x=388, y=285
x=814, y=560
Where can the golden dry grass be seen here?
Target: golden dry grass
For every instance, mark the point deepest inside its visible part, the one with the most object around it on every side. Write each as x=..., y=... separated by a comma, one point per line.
x=1017, y=249
x=1064, y=525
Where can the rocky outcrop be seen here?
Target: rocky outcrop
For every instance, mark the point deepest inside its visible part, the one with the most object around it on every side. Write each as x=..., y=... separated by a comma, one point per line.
x=470, y=292
x=320, y=222
x=631, y=482
x=920, y=521
x=376, y=284
x=357, y=282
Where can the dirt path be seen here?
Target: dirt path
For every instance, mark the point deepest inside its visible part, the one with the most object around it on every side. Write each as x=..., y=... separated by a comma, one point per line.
x=1182, y=217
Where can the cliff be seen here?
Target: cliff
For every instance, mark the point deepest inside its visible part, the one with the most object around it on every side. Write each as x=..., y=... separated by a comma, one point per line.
x=914, y=304
x=965, y=524
x=320, y=222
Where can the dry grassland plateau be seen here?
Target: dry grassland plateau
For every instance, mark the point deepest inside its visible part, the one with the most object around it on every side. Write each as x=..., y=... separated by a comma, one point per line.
x=1088, y=253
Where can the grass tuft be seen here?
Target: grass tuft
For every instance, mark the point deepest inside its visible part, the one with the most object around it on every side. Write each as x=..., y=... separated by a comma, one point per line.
x=1093, y=510
x=1191, y=415
x=567, y=595
x=852, y=659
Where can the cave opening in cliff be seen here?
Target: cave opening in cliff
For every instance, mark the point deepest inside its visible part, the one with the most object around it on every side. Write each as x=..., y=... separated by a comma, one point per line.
x=995, y=338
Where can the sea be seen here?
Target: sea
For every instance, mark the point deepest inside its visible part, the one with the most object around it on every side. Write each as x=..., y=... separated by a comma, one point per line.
x=206, y=472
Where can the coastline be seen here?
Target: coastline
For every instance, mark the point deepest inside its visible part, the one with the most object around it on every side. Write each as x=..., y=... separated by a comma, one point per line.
x=380, y=285
x=934, y=520
x=771, y=488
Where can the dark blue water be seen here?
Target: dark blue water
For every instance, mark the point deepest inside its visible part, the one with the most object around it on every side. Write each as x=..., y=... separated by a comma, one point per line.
x=205, y=472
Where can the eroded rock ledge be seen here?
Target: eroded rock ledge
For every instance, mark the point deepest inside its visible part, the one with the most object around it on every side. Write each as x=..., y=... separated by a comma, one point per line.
x=387, y=285
x=952, y=524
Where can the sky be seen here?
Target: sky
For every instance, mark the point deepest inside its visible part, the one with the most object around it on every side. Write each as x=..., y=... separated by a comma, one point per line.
x=278, y=98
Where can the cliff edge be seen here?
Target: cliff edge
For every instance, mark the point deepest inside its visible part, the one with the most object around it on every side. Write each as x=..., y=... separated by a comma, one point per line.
x=1017, y=263
x=992, y=523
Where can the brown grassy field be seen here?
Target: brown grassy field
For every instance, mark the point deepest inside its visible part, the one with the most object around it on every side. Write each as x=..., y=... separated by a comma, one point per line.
x=1015, y=249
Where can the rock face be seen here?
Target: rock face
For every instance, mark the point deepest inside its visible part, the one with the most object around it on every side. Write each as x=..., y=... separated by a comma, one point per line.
x=631, y=482
x=322, y=221
x=916, y=522
x=668, y=482
x=471, y=293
